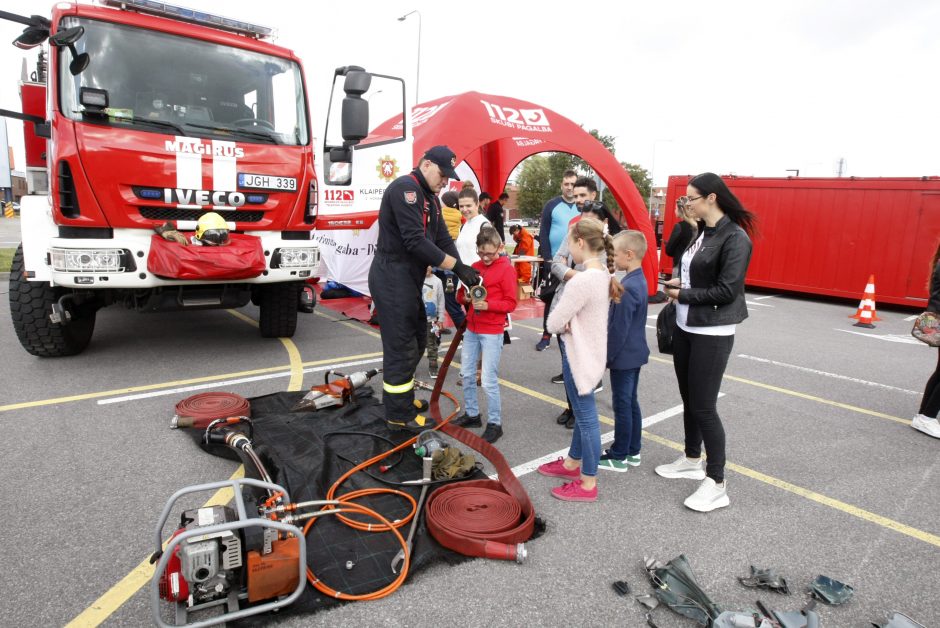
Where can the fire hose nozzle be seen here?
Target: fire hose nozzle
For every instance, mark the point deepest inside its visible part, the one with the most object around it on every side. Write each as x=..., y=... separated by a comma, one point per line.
x=505, y=551
x=180, y=422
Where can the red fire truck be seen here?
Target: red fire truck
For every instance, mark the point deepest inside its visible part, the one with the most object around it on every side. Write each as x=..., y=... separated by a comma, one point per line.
x=149, y=114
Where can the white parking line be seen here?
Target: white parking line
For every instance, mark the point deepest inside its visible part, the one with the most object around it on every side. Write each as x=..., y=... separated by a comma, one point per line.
x=770, y=296
x=827, y=374
x=231, y=382
x=760, y=304
x=904, y=339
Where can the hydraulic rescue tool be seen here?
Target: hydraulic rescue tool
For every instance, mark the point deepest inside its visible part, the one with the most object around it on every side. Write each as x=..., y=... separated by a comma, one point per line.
x=425, y=481
x=222, y=556
x=334, y=393
x=218, y=558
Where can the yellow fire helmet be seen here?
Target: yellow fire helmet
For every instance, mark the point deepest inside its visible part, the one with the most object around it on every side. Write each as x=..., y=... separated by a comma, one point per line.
x=211, y=229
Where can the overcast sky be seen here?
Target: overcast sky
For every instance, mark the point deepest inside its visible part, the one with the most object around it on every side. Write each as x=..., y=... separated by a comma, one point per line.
x=751, y=88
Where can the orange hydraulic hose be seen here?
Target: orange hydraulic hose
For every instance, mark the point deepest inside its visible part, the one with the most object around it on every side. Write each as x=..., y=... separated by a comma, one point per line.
x=385, y=524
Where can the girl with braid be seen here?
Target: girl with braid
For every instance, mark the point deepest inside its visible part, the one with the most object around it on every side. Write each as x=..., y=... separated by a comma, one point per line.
x=580, y=320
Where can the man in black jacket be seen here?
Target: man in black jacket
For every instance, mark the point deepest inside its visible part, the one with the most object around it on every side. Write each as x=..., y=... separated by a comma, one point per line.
x=495, y=213
x=412, y=236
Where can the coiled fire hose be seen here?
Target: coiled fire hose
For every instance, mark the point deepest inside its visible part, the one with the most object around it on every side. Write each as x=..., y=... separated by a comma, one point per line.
x=198, y=411
x=478, y=518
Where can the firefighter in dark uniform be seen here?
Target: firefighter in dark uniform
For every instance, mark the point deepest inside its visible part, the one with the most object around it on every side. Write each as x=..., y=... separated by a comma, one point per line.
x=412, y=236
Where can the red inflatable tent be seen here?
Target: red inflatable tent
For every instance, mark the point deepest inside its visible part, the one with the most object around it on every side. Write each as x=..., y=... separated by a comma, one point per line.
x=493, y=134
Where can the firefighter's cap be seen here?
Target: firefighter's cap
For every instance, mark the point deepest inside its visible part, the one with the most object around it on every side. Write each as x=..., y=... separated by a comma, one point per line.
x=444, y=158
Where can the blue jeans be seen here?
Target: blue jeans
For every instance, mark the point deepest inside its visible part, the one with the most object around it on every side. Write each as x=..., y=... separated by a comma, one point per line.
x=586, y=438
x=628, y=420
x=491, y=345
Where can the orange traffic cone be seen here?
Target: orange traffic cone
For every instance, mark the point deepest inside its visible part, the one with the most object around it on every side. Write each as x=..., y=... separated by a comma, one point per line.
x=866, y=314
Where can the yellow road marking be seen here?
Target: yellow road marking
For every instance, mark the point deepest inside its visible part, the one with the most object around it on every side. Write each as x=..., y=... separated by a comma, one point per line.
x=361, y=327
x=543, y=397
x=182, y=382
x=538, y=329
x=116, y=596
x=296, y=364
x=849, y=509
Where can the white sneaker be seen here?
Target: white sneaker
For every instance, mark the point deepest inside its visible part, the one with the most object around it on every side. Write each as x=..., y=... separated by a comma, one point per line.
x=708, y=496
x=683, y=468
x=930, y=427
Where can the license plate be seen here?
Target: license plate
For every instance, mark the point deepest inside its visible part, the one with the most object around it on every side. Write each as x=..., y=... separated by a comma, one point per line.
x=266, y=182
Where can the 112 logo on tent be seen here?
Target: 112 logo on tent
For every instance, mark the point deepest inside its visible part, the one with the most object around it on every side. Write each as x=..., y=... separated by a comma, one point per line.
x=525, y=119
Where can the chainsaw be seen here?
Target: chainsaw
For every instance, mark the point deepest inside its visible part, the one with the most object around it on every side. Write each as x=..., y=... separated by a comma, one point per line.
x=336, y=392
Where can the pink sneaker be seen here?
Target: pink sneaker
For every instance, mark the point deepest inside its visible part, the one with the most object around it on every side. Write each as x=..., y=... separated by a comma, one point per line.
x=556, y=469
x=572, y=492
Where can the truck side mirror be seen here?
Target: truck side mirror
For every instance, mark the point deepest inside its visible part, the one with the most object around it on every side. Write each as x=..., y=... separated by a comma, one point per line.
x=68, y=37
x=357, y=82
x=355, y=116
x=31, y=37
x=355, y=120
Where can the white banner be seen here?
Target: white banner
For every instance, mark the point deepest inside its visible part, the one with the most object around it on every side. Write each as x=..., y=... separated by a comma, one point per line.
x=346, y=255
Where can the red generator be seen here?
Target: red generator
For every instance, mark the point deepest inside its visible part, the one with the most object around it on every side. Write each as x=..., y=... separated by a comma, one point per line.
x=828, y=235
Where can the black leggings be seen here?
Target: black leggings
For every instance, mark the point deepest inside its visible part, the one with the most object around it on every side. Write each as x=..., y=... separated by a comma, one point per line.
x=700, y=363
x=930, y=404
x=548, y=306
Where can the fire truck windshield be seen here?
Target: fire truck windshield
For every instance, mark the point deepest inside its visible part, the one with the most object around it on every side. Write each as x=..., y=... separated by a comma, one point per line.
x=162, y=83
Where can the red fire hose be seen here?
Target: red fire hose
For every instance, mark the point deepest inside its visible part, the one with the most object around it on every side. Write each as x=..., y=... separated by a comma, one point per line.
x=484, y=518
x=198, y=411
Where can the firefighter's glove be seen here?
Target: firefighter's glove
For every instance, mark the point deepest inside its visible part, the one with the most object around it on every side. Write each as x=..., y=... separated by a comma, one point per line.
x=450, y=464
x=168, y=232
x=466, y=274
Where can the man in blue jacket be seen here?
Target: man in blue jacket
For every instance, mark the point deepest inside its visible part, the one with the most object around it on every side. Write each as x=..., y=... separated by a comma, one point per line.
x=553, y=228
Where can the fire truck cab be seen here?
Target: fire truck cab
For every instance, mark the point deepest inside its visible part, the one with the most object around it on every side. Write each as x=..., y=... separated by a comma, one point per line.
x=156, y=114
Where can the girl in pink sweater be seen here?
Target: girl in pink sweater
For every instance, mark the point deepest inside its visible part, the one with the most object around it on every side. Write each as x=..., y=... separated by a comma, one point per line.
x=580, y=319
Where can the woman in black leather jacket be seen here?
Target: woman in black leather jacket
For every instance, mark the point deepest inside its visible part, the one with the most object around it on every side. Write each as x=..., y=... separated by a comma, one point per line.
x=926, y=419
x=708, y=288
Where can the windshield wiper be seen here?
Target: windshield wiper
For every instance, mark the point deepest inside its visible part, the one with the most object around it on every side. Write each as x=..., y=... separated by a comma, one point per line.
x=237, y=130
x=151, y=121
x=163, y=123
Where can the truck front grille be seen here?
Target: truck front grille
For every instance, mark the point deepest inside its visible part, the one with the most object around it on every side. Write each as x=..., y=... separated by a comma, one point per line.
x=172, y=213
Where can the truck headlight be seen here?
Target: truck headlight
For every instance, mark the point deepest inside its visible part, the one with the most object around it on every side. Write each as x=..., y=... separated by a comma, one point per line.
x=87, y=260
x=295, y=257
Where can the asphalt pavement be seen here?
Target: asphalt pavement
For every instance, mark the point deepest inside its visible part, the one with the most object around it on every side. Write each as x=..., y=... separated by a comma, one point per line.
x=825, y=475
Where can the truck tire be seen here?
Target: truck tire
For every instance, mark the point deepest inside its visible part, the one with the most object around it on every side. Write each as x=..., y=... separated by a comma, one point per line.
x=30, y=305
x=278, y=305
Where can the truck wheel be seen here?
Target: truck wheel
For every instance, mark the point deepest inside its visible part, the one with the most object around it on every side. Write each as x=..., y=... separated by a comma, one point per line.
x=278, y=304
x=30, y=305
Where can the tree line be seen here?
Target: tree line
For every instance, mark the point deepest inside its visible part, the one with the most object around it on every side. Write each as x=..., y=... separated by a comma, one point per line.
x=540, y=179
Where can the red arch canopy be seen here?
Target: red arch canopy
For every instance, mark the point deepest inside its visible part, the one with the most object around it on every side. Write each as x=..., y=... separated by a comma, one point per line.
x=492, y=134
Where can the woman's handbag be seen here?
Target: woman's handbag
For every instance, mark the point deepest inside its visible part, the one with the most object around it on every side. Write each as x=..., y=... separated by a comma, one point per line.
x=547, y=287
x=927, y=328
x=666, y=327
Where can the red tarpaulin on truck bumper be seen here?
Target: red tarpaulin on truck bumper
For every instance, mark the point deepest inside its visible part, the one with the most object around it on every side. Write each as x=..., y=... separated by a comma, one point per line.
x=493, y=134
x=241, y=258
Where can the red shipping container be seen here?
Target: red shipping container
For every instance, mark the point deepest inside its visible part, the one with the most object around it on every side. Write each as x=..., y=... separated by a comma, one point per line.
x=827, y=235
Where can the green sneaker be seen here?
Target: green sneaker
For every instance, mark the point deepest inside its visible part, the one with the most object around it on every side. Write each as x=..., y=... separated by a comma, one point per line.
x=633, y=461
x=612, y=464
